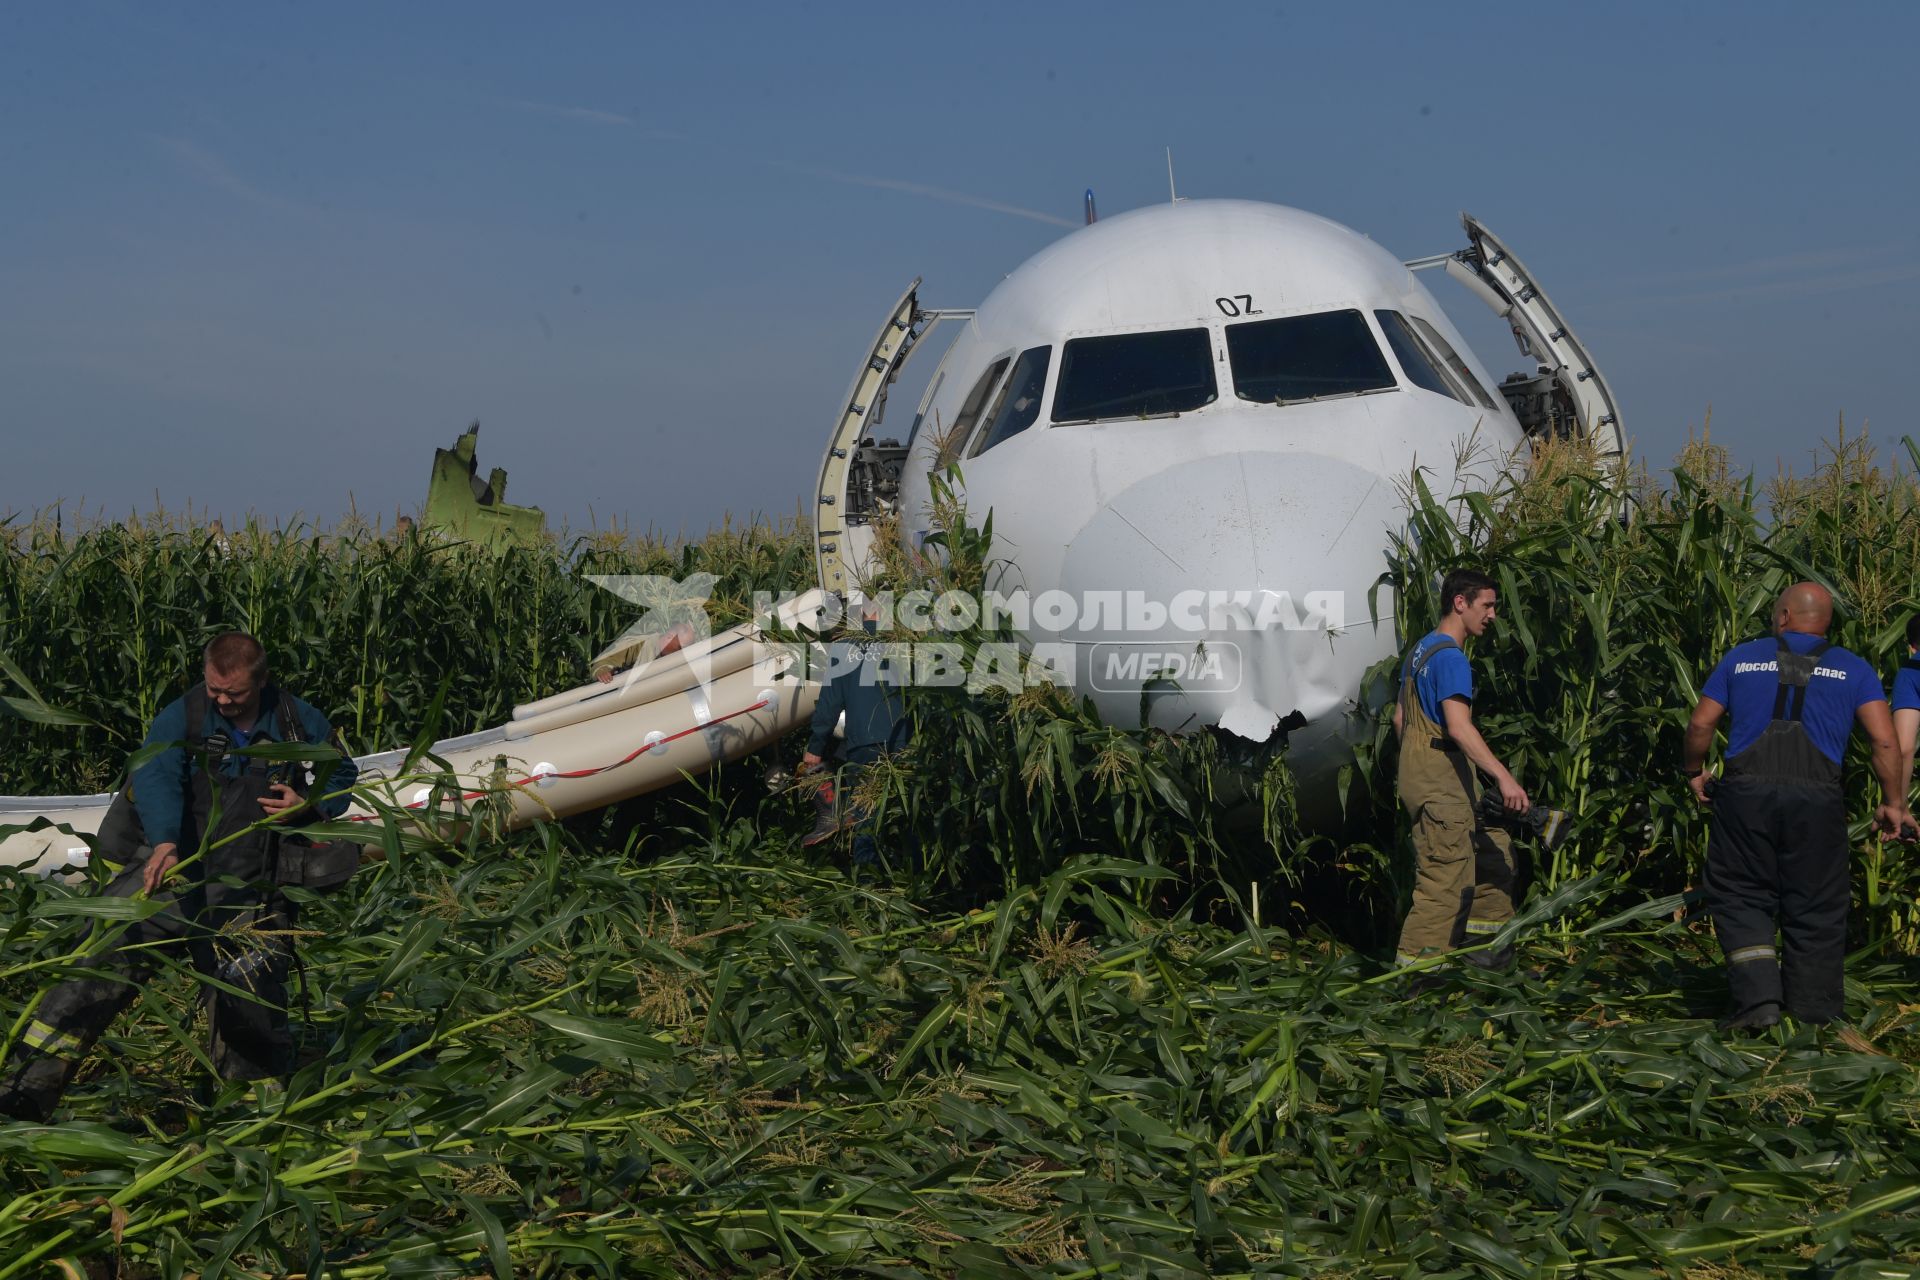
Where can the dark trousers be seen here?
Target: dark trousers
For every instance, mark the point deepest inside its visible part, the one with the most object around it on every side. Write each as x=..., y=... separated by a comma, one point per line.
x=230, y=920
x=1777, y=856
x=846, y=778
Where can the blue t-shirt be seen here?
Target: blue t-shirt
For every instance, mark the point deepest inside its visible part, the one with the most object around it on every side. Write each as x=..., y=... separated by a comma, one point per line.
x=1748, y=680
x=1446, y=675
x=1906, y=687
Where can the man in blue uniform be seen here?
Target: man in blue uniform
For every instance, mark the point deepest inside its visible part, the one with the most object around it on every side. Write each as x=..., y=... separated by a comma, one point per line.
x=185, y=837
x=864, y=687
x=1463, y=869
x=1906, y=706
x=1777, y=852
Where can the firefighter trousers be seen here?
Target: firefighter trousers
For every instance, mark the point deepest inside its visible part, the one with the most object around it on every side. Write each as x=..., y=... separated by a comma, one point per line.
x=232, y=924
x=1463, y=880
x=1777, y=861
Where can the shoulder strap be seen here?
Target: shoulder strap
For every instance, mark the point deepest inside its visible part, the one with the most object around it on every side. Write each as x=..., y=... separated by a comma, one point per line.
x=1795, y=673
x=196, y=712
x=289, y=728
x=1420, y=664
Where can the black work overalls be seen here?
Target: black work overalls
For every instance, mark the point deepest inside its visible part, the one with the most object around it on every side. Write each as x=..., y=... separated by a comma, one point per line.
x=224, y=908
x=1777, y=852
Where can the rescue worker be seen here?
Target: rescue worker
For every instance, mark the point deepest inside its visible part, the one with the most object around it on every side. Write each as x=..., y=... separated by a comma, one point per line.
x=1463, y=869
x=224, y=906
x=1906, y=707
x=1777, y=847
x=864, y=685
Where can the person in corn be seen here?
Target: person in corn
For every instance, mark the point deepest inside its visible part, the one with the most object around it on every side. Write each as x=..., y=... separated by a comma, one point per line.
x=863, y=694
x=1463, y=869
x=1777, y=846
x=1906, y=705
x=201, y=830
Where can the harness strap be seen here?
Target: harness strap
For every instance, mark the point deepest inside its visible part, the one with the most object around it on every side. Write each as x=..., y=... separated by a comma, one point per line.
x=1796, y=671
x=1420, y=663
x=1413, y=673
x=289, y=727
x=197, y=706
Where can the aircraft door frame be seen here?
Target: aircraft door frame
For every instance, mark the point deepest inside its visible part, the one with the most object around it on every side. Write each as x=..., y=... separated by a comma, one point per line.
x=1568, y=393
x=860, y=474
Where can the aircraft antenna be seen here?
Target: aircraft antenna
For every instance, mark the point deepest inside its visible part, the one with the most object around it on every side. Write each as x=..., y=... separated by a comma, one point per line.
x=1172, y=196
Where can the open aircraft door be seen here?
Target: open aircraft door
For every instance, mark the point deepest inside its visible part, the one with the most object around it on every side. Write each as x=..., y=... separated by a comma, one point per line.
x=1566, y=396
x=860, y=476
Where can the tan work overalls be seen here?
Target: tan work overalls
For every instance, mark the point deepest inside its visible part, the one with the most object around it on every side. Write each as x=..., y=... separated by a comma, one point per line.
x=1463, y=872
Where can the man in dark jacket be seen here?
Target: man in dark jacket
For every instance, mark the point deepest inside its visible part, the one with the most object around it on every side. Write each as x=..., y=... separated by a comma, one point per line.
x=864, y=686
x=198, y=842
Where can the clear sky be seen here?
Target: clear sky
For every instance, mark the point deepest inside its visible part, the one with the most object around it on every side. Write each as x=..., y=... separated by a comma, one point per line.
x=267, y=257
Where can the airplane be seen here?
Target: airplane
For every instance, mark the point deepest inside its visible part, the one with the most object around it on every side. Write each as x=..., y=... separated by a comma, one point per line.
x=1207, y=409
x=1191, y=423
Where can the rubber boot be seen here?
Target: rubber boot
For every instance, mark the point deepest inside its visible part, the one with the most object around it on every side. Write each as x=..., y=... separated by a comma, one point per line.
x=32, y=1089
x=1758, y=1018
x=1494, y=960
x=1423, y=984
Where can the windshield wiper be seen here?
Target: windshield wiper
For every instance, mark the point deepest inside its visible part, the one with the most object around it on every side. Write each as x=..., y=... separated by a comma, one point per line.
x=1332, y=395
x=1131, y=417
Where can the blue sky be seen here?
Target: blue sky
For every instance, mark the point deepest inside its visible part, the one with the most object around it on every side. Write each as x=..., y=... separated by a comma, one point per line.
x=267, y=257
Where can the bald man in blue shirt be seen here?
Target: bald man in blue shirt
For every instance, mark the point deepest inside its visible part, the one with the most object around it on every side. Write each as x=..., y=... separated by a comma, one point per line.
x=1906, y=706
x=1777, y=852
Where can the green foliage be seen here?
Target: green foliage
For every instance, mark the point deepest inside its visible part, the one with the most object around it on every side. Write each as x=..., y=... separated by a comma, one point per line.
x=544, y=1061
x=1024, y=1052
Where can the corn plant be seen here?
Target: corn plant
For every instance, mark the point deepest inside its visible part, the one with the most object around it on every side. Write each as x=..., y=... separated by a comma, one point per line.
x=537, y=1059
x=1057, y=1037
x=370, y=626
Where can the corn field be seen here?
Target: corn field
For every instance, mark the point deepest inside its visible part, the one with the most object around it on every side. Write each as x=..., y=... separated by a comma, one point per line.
x=368, y=625
x=1108, y=1010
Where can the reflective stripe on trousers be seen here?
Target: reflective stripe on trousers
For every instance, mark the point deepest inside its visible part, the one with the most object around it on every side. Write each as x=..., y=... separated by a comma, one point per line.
x=52, y=1040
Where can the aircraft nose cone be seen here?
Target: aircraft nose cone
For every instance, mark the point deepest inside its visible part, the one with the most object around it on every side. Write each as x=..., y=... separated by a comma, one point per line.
x=1260, y=562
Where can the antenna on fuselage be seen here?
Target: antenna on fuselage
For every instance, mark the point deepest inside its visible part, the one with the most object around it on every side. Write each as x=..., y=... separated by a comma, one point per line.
x=1092, y=216
x=1173, y=197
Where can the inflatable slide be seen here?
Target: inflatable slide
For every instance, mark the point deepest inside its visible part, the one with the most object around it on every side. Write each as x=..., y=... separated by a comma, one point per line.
x=668, y=719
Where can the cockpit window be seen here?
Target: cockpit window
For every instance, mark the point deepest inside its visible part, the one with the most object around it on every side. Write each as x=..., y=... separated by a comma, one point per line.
x=1451, y=359
x=1421, y=366
x=1019, y=402
x=1332, y=353
x=1134, y=375
x=953, y=439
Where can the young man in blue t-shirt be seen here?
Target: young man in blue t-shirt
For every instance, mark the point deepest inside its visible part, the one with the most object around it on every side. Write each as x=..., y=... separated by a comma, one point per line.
x=1463, y=870
x=1777, y=851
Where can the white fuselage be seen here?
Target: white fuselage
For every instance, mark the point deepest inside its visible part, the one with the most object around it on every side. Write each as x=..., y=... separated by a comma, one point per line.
x=1247, y=531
